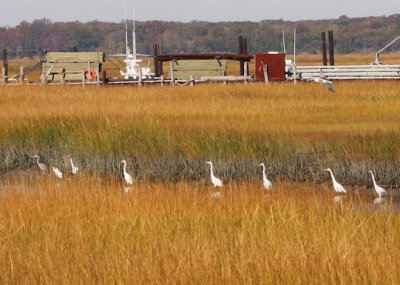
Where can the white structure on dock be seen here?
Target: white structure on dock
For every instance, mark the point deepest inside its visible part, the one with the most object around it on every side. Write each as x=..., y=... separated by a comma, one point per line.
x=133, y=69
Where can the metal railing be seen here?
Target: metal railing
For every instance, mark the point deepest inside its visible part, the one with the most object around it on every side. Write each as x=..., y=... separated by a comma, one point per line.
x=346, y=72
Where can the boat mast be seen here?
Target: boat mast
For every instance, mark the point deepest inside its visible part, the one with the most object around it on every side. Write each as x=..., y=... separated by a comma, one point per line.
x=127, y=51
x=134, y=36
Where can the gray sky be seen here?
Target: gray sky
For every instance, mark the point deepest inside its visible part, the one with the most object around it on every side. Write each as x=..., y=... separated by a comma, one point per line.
x=12, y=13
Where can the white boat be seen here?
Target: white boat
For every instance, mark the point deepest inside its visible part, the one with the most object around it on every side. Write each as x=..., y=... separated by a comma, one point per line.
x=133, y=68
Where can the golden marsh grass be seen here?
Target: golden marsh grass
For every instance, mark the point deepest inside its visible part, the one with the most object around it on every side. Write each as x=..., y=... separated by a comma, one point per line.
x=87, y=230
x=185, y=120
x=168, y=133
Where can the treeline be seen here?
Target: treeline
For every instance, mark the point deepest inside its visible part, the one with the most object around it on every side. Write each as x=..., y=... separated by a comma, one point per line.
x=352, y=35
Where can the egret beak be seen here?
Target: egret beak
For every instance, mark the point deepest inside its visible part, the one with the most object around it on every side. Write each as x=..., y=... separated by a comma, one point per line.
x=259, y=165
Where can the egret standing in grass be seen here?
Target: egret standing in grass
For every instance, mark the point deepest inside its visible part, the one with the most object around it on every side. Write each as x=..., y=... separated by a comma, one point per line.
x=215, y=181
x=267, y=184
x=128, y=178
x=74, y=168
x=337, y=186
x=57, y=172
x=379, y=190
x=42, y=167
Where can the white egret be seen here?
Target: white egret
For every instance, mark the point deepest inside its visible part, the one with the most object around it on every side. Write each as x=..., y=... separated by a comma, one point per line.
x=41, y=165
x=57, y=172
x=327, y=83
x=128, y=178
x=215, y=181
x=267, y=184
x=379, y=190
x=74, y=168
x=338, y=187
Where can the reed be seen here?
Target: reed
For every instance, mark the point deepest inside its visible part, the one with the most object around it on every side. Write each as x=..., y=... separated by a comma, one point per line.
x=167, y=133
x=85, y=229
x=167, y=229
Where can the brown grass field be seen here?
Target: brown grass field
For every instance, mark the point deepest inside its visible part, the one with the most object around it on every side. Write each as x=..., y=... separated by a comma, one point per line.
x=85, y=229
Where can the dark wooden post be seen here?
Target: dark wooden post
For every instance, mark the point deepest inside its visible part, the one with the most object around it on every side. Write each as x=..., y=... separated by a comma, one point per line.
x=331, y=48
x=5, y=65
x=160, y=63
x=155, y=60
x=41, y=61
x=245, y=50
x=324, y=58
x=104, y=77
x=241, y=52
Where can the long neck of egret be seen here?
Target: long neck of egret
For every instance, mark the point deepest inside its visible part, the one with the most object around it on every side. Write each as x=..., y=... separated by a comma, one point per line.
x=333, y=177
x=373, y=179
x=264, y=175
x=124, y=166
x=211, y=169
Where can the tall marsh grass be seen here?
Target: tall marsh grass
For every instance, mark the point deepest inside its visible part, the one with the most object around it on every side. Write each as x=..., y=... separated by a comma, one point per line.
x=87, y=230
x=169, y=132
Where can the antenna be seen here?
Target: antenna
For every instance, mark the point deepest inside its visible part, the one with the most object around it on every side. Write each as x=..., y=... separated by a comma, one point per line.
x=294, y=46
x=134, y=36
x=283, y=42
x=127, y=51
x=377, y=61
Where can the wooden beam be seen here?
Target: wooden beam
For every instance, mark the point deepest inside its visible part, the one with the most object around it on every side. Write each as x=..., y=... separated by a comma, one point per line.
x=245, y=50
x=44, y=79
x=104, y=77
x=155, y=60
x=5, y=65
x=160, y=63
x=240, y=51
x=229, y=56
x=324, y=59
x=331, y=49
